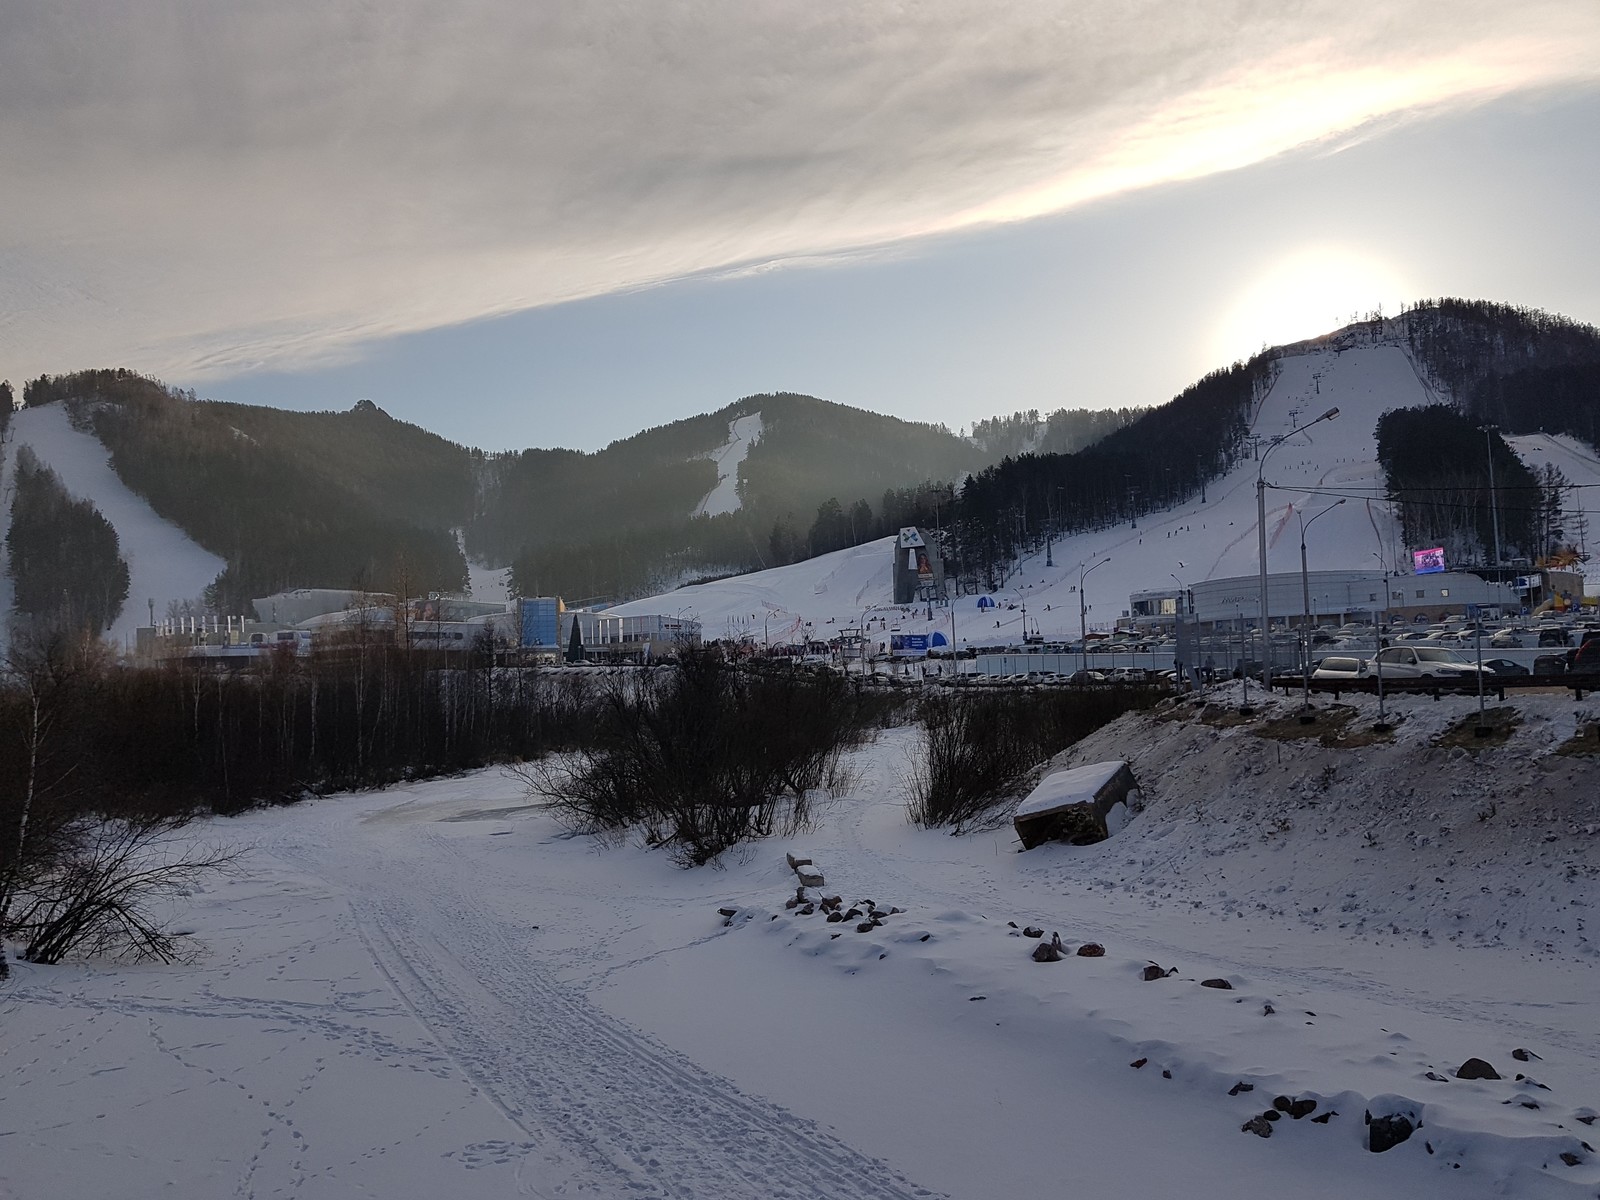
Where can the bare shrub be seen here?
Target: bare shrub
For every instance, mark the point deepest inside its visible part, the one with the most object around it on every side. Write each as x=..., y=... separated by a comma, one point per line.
x=99, y=898
x=703, y=755
x=980, y=751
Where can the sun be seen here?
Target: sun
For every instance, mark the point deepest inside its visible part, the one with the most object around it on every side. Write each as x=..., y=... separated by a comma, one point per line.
x=1309, y=292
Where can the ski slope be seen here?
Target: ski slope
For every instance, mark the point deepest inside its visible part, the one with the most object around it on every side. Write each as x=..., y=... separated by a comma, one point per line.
x=164, y=563
x=1190, y=542
x=1193, y=541
x=743, y=433
x=1581, y=466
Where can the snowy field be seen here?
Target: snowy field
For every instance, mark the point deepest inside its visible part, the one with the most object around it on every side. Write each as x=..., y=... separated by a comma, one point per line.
x=435, y=992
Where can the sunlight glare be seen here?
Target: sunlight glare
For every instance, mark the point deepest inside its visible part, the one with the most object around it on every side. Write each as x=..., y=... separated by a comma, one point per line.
x=1305, y=294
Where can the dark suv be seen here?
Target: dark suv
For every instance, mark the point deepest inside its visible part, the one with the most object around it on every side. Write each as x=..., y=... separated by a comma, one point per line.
x=1586, y=658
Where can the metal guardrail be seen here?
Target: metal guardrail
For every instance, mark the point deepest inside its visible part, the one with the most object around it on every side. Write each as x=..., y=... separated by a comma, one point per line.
x=1579, y=683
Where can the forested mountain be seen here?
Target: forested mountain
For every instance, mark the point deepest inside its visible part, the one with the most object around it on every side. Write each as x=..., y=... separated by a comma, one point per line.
x=1168, y=453
x=1061, y=432
x=357, y=498
x=1522, y=369
x=288, y=499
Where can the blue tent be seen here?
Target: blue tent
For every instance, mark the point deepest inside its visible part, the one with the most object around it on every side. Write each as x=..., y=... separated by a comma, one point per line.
x=986, y=602
x=938, y=639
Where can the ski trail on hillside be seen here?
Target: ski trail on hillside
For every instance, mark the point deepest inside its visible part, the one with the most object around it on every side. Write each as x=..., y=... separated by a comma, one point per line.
x=607, y=1107
x=724, y=498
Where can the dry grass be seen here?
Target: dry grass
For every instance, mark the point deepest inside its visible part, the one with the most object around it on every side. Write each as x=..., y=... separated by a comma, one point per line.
x=1585, y=742
x=1501, y=722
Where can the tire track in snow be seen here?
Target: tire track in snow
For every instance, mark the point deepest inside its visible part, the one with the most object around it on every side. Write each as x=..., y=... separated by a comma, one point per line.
x=609, y=1110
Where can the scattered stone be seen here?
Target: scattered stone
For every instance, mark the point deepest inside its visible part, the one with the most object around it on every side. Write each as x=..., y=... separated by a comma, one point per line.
x=807, y=910
x=1259, y=1126
x=1282, y=1103
x=728, y=912
x=1324, y=1118
x=1272, y=1114
x=791, y=902
x=1221, y=984
x=1046, y=952
x=1436, y=1077
x=796, y=863
x=866, y=927
x=1532, y=1082
x=833, y=935
x=1013, y=924
x=877, y=914
x=852, y=914
x=1091, y=950
x=1033, y=931
x=810, y=877
x=1267, y=1010
x=1241, y=1086
x=1302, y=1108
x=1385, y=1133
x=972, y=998
x=1138, y=1063
x=1166, y=1074
x=1571, y=1159
x=1522, y=1055
x=1476, y=1068
x=924, y=937
x=894, y=912
x=835, y=916
x=1153, y=972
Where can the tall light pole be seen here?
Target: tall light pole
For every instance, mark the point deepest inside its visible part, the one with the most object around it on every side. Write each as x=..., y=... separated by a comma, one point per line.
x=1494, y=507
x=1305, y=598
x=1083, y=615
x=1261, y=534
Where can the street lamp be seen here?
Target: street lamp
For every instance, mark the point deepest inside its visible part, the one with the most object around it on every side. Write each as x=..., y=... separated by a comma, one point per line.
x=1305, y=596
x=1083, y=615
x=1494, y=507
x=1261, y=534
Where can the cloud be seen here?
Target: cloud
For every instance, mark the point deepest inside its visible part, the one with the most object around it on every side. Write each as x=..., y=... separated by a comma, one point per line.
x=200, y=189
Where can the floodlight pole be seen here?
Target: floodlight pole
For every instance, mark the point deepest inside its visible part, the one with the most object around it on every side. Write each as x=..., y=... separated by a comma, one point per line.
x=1083, y=616
x=1305, y=597
x=1261, y=538
x=1494, y=507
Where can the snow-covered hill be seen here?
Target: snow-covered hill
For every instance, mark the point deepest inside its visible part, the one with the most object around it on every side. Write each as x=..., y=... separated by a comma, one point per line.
x=1193, y=541
x=164, y=563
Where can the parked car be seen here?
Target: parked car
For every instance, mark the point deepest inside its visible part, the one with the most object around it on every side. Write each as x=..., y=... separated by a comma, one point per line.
x=1339, y=666
x=1586, y=658
x=1505, y=666
x=1549, y=664
x=1424, y=662
x=1553, y=635
x=1086, y=677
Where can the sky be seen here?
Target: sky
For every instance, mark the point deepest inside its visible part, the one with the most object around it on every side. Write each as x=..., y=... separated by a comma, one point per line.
x=534, y=225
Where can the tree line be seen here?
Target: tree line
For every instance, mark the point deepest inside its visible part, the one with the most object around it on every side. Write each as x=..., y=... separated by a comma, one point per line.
x=66, y=567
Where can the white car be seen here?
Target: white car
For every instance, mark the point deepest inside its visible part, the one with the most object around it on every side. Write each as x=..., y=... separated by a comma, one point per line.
x=1340, y=666
x=1424, y=662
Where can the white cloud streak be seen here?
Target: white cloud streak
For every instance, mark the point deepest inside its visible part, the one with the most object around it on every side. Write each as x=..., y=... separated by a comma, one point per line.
x=199, y=188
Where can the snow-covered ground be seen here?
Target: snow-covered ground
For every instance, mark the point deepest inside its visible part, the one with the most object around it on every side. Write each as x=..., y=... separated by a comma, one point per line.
x=1190, y=542
x=743, y=433
x=435, y=991
x=164, y=563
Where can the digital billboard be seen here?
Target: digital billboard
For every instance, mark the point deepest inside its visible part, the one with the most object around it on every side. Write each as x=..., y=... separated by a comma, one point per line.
x=1428, y=562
